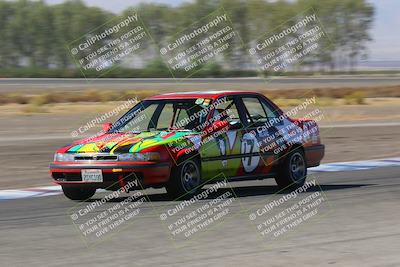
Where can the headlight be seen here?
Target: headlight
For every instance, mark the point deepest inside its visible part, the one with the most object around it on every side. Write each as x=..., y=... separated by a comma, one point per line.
x=64, y=157
x=146, y=156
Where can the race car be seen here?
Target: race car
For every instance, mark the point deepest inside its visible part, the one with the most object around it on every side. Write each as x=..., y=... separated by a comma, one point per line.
x=182, y=141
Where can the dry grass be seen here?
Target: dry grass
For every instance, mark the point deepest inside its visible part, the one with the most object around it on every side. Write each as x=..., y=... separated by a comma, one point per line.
x=32, y=108
x=283, y=97
x=90, y=95
x=355, y=98
x=96, y=108
x=387, y=91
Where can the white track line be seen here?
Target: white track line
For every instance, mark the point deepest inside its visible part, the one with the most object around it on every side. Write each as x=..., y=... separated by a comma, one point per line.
x=45, y=191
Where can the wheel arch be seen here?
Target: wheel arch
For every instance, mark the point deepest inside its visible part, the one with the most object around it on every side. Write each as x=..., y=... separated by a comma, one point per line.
x=292, y=148
x=182, y=156
x=296, y=146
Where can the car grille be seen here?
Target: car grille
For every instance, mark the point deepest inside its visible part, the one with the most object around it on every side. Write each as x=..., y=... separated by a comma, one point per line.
x=106, y=157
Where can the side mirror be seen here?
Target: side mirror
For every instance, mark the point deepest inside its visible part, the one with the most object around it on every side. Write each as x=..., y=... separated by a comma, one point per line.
x=236, y=125
x=106, y=126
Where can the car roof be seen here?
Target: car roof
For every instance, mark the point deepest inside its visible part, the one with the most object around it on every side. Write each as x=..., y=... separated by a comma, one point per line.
x=200, y=94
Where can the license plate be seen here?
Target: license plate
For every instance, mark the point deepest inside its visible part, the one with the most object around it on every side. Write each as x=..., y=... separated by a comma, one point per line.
x=94, y=176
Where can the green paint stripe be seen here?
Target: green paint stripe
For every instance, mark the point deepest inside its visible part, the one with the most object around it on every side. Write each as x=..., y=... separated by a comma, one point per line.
x=75, y=148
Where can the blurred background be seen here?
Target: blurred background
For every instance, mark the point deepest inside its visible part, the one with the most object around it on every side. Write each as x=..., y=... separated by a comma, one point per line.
x=35, y=34
x=44, y=96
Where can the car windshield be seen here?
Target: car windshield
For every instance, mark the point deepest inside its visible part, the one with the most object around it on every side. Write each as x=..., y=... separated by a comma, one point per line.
x=166, y=114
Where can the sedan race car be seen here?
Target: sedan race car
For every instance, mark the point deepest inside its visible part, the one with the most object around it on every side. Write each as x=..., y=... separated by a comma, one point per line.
x=182, y=141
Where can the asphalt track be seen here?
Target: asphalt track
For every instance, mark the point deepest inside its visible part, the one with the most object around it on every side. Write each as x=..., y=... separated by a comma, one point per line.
x=27, y=84
x=359, y=227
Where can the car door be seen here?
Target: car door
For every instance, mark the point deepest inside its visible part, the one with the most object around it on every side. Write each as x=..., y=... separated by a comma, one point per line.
x=286, y=132
x=221, y=152
x=260, y=137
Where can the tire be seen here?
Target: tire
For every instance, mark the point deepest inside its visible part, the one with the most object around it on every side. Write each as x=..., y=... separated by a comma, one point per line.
x=185, y=179
x=292, y=172
x=78, y=193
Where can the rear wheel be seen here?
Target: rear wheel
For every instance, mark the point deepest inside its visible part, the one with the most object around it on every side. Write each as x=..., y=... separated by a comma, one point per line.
x=78, y=193
x=185, y=179
x=292, y=171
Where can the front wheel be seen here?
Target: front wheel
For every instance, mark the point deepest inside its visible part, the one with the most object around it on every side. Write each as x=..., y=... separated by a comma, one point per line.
x=185, y=179
x=292, y=171
x=78, y=193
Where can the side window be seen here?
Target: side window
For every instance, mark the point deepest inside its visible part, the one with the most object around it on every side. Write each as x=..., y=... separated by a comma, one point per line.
x=182, y=118
x=271, y=112
x=165, y=118
x=226, y=110
x=255, y=110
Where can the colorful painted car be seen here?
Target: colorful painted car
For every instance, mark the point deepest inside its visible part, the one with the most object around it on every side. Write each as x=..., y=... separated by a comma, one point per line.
x=182, y=141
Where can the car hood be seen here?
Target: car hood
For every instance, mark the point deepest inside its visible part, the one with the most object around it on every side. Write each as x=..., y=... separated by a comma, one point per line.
x=125, y=143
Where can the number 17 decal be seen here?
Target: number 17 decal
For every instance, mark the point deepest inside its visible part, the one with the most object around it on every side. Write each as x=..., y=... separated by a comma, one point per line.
x=249, y=145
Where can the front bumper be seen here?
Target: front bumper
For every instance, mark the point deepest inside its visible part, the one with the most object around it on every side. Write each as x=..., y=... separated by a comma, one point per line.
x=115, y=174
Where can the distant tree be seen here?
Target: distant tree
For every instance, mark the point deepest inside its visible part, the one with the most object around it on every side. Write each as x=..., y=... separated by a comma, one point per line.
x=358, y=21
x=35, y=34
x=8, y=53
x=347, y=24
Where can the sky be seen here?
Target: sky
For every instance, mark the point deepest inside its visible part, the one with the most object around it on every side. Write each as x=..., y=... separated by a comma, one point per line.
x=385, y=45
x=385, y=32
